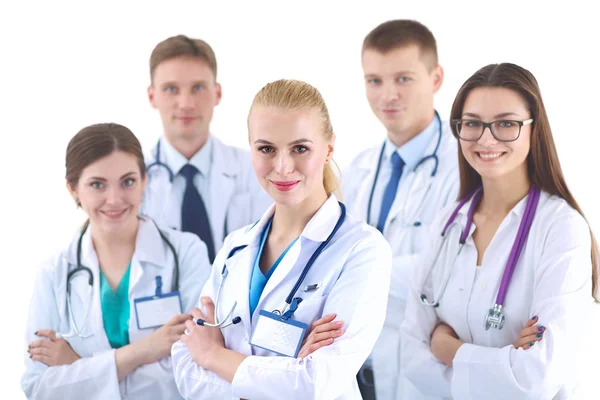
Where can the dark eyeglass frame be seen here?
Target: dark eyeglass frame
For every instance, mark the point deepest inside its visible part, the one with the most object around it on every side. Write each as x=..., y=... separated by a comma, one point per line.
x=489, y=125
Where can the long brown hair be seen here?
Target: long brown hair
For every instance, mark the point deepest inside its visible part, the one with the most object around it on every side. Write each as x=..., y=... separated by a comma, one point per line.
x=543, y=166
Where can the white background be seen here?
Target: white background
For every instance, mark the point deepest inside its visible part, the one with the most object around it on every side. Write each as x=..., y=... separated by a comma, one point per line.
x=63, y=67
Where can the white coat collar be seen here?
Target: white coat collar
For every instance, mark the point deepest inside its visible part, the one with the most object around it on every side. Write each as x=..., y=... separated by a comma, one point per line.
x=148, y=246
x=318, y=228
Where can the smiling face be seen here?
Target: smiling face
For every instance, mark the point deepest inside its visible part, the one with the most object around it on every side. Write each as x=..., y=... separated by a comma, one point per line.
x=490, y=157
x=110, y=191
x=400, y=85
x=185, y=93
x=289, y=153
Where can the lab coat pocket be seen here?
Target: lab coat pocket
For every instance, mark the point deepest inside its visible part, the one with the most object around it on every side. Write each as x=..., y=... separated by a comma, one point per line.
x=310, y=310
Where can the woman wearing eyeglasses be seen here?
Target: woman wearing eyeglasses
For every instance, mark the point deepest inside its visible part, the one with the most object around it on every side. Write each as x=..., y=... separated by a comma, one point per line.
x=515, y=251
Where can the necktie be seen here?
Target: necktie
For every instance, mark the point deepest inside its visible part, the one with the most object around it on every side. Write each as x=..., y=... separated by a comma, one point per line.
x=390, y=190
x=194, y=217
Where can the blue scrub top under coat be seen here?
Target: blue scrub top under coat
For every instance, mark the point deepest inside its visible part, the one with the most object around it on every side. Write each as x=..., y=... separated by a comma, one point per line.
x=258, y=281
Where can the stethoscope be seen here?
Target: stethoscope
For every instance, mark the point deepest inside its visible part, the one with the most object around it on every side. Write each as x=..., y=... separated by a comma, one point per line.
x=76, y=331
x=494, y=317
x=291, y=302
x=432, y=156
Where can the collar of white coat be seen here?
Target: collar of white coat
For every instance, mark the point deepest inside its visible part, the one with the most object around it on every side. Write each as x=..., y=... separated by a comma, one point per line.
x=414, y=150
x=318, y=228
x=431, y=133
x=518, y=210
x=148, y=246
x=202, y=160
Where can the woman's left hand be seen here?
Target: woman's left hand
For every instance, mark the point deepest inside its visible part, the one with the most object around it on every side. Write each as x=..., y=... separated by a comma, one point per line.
x=444, y=343
x=203, y=341
x=50, y=350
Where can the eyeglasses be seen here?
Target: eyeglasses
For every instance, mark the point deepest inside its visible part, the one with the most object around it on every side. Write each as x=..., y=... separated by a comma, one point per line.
x=471, y=130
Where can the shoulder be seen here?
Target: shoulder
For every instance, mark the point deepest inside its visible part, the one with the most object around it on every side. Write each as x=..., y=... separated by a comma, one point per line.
x=555, y=217
x=359, y=235
x=233, y=152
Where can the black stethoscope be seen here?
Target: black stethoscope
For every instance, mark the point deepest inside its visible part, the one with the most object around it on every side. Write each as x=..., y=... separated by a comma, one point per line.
x=423, y=160
x=158, y=163
x=81, y=268
x=291, y=302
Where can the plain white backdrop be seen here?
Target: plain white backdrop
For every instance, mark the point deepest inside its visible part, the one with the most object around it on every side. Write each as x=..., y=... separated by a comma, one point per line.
x=64, y=66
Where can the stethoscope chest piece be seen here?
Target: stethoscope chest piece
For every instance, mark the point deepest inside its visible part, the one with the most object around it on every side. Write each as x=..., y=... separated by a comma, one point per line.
x=494, y=318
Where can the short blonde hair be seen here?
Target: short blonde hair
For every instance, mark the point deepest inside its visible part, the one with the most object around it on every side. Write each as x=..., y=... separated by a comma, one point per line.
x=289, y=94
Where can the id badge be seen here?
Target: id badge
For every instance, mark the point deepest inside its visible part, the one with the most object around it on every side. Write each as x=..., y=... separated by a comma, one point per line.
x=155, y=311
x=283, y=337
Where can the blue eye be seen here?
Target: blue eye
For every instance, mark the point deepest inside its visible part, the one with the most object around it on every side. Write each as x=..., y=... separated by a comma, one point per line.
x=266, y=149
x=97, y=185
x=403, y=79
x=171, y=89
x=129, y=182
x=198, y=88
x=374, y=81
x=300, y=149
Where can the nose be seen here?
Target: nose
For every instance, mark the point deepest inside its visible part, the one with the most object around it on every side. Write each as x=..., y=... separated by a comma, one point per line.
x=487, y=139
x=113, y=195
x=284, y=164
x=186, y=102
x=390, y=92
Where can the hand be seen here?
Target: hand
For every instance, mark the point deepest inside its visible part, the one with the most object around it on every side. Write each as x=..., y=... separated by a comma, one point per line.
x=322, y=332
x=529, y=335
x=444, y=343
x=203, y=341
x=51, y=351
x=157, y=345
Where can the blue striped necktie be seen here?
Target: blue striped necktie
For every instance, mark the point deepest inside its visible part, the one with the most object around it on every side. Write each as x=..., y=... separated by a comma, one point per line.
x=390, y=190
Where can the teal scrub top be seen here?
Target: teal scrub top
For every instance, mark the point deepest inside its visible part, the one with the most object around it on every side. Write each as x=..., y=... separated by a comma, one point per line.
x=115, y=310
x=258, y=281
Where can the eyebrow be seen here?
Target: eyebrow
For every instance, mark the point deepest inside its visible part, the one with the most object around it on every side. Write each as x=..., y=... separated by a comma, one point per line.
x=295, y=142
x=99, y=178
x=194, y=83
x=395, y=74
x=503, y=115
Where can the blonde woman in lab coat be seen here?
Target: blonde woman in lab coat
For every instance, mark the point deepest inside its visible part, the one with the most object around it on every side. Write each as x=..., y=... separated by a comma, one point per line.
x=473, y=344
x=94, y=326
x=263, y=271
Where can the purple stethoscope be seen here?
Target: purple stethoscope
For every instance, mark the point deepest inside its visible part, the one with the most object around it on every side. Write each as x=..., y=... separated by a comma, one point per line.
x=494, y=317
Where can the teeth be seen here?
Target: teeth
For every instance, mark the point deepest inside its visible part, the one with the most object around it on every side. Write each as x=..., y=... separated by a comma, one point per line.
x=113, y=212
x=489, y=155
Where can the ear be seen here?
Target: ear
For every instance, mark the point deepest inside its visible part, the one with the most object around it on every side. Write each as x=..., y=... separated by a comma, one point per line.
x=151, y=96
x=73, y=193
x=331, y=147
x=438, y=77
x=219, y=93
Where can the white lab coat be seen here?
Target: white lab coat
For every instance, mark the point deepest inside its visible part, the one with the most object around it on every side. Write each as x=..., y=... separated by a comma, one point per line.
x=412, y=204
x=94, y=376
x=353, y=272
x=552, y=280
x=236, y=197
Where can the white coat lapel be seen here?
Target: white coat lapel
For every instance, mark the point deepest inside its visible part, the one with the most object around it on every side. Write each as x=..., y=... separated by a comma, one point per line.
x=223, y=184
x=240, y=269
x=366, y=172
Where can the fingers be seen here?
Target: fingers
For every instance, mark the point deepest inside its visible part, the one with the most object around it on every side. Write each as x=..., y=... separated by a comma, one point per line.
x=39, y=351
x=323, y=320
x=531, y=322
x=50, y=334
x=325, y=335
x=40, y=343
x=331, y=326
x=532, y=330
x=179, y=319
x=308, y=349
x=42, y=358
x=210, y=309
x=179, y=329
x=197, y=314
x=527, y=341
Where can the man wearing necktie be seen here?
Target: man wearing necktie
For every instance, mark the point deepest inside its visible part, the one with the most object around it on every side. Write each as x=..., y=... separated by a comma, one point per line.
x=196, y=183
x=391, y=187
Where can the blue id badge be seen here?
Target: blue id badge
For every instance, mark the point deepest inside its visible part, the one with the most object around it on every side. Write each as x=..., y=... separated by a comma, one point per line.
x=277, y=334
x=155, y=311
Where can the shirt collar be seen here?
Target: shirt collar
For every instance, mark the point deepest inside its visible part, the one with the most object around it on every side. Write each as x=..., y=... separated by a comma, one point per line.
x=201, y=160
x=413, y=151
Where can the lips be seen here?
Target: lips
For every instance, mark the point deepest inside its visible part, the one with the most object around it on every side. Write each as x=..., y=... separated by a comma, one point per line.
x=114, y=214
x=284, y=186
x=489, y=156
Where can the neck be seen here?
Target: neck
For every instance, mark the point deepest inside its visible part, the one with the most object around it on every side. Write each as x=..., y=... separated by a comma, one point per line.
x=115, y=245
x=399, y=138
x=290, y=221
x=501, y=194
x=188, y=146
